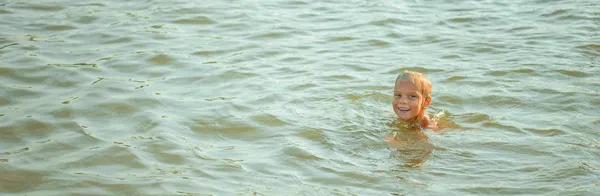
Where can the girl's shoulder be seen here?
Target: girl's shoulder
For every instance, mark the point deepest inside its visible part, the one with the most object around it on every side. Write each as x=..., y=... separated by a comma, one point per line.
x=430, y=124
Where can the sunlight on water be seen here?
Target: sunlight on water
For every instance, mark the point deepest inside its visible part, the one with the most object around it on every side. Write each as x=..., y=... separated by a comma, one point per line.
x=293, y=97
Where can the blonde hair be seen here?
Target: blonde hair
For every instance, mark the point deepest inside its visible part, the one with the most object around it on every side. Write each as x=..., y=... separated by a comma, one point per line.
x=422, y=82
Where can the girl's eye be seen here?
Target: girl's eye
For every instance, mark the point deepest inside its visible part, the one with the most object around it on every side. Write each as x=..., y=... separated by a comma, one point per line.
x=413, y=96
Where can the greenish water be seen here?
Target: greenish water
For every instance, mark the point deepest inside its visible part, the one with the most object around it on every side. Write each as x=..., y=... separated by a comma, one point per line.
x=294, y=97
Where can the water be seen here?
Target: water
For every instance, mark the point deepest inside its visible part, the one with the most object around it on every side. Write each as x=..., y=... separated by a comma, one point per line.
x=294, y=97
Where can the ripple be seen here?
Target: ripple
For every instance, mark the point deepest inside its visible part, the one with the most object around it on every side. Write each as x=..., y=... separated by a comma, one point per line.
x=461, y=20
x=543, y=90
x=572, y=73
x=299, y=153
x=572, y=17
x=200, y=20
x=225, y=127
x=521, y=28
x=295, y=87
x=269, y=35
x=21, y=92
x=269, y=120
x=161, y=59
x=523, y=149
x=546, y=132
x=120, y=40
x=371, y=95
x=60, y=27
x=237, y=75
x=24, y=130
x=219, y=98
x=497, y=100
x=340, y=77
x=210, y=52
x=17, y=75
x=502, y=189
x=86, y=19
x=378, y=43
x=4, y=100
x=423, y=70
x=312, y=134
x=292, y=59
x=113, y=157
x=557, y=12
x=451, y=57
x=497, y=73
x=511, y=72
x=456, y=78
x=50, y=8
x=473, y=117
x=165, y=152
x=497, y=125
x=386, y=21
x=592, y=47
x=145, y=102
x=63, y=112
x=19, y=180
x=594, y=101
x=523, y=70
x=117, y=108
x=450, y=99
x=340, y=39
x=267, y=99
x=14, y=151
x=296, y=3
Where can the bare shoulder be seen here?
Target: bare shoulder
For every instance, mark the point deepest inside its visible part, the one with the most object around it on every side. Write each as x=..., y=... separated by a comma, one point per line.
x=431, y=124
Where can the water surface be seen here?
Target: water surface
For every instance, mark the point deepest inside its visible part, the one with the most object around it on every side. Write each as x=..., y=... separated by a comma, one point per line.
x=294, y=97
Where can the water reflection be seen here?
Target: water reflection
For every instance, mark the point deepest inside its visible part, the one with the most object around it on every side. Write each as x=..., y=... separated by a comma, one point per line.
x=408, y=143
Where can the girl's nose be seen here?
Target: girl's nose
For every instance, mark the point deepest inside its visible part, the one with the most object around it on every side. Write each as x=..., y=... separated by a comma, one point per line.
x=402, y=100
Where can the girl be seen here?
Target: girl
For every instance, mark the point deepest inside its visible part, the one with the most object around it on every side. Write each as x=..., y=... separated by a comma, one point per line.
x=412, y=96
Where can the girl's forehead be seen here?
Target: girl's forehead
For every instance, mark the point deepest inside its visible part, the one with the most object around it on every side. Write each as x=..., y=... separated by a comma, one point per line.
x=406, y=86
x=406, y=82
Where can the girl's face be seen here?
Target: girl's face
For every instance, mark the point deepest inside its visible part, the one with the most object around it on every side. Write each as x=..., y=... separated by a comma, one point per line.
x=408, y=101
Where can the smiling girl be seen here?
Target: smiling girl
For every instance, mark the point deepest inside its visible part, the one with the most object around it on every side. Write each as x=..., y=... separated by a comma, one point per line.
x=412, y=96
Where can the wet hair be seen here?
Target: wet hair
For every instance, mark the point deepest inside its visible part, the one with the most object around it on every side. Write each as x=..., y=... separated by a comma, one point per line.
x=422, y=82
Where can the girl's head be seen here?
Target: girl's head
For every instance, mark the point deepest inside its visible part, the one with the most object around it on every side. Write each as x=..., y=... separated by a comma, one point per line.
x=412, y=96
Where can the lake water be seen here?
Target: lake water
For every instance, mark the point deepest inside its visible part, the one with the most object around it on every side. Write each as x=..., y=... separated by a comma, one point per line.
x=280, y=97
